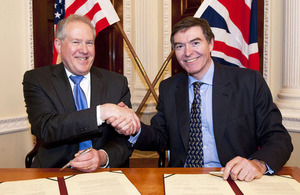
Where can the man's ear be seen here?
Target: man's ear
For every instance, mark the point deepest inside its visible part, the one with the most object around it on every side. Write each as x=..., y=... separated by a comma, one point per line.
x=57, y=44
x=211, y=44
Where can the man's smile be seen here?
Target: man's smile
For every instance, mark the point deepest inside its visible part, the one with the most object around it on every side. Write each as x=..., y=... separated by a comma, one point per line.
x=192, y=60
x=82, y=58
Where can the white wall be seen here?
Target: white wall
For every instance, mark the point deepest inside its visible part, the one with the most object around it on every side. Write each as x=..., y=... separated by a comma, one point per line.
x=275, y=46
x=275, y=65
x=14, y=55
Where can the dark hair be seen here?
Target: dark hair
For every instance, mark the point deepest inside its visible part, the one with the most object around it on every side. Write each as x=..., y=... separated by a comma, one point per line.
x=189, y=22
x=61, y=32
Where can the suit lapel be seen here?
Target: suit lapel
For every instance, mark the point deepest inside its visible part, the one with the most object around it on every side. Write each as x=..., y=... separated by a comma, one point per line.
x=98, y=84
x=222, y=92
x=182, y=102
x=63, y=89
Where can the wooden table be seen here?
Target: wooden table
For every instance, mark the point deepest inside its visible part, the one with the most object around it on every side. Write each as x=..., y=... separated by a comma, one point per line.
x=146, y=180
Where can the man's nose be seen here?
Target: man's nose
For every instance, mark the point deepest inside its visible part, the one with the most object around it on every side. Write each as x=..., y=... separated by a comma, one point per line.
x=188, y=50
x=84, y=48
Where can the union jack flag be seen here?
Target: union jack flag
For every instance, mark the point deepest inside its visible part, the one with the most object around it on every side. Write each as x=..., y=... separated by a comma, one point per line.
x=234, y=23
x=101, y=13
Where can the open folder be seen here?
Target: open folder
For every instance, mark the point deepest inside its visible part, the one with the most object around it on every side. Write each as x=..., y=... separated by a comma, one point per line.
x=209, y=184
x=114, y=182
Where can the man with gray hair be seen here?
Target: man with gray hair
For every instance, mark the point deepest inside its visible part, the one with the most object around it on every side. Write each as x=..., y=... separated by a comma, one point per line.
x=68, y=104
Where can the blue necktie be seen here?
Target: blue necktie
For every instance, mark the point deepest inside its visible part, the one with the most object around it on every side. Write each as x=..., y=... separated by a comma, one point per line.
x=81, y=104
x=195, y=151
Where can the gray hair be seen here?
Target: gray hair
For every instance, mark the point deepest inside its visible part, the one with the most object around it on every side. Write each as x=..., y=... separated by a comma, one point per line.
x=61, y=32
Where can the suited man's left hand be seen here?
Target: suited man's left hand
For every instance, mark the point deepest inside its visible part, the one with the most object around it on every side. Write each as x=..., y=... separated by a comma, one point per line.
x=243, y=169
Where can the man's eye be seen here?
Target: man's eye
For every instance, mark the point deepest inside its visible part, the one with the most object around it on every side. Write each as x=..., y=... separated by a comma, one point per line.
x=195, y=43
x=90, y=43
x=75, y=42
x=178, y=46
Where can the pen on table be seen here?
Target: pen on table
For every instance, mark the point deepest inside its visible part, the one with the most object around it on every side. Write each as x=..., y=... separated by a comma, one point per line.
x=82, y=153
x=217, y=173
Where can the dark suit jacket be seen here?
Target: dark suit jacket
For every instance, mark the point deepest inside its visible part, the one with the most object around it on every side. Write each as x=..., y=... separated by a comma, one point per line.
x=246, y=121
x=56, y=123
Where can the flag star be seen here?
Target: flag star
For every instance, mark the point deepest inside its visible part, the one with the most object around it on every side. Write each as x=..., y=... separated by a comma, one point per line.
x=55, y=6
x=57, y=15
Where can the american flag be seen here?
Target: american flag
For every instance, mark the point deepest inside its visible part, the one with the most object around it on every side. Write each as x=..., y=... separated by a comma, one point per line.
x=101, y=13
x=234, y=23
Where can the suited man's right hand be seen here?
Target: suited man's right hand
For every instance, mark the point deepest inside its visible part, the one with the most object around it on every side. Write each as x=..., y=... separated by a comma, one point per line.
x=122, y=118
x=90, y=161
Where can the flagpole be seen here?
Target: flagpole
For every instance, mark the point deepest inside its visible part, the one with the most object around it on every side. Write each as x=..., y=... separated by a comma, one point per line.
x=137, y=60
x=162, y=69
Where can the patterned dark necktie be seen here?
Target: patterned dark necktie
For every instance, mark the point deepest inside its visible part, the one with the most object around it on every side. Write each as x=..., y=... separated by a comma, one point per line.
x=81, y=104
x=195, y=151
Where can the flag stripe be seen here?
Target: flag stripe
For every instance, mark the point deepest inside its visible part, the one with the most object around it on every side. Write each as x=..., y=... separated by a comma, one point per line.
x=225, y=60
x=232, y=41
x=230, y=51
x=253, y=48
x=109, y=11
x=234, y=24
x=74, y=7
x=248, y=3
x=254, y=61
x=101, y=24
x=91, y=13
x=85, y=8
x=239, y=14
x=98, y=18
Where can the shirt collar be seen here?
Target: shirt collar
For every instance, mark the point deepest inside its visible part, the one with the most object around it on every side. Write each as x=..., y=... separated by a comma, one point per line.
x=88, y=76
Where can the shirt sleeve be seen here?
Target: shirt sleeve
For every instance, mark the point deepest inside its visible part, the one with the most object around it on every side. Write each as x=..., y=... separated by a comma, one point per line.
x=133, y=138
x=98, y=113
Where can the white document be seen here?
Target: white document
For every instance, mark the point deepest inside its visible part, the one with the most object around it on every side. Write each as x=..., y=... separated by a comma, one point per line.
x=86, y=183
x=195, y=184
x=30, y=187
x=100, y=183
x=270, y=185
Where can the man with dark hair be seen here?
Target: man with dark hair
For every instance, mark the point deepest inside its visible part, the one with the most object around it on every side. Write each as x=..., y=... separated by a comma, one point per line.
x=68, y=103
x=215, y=115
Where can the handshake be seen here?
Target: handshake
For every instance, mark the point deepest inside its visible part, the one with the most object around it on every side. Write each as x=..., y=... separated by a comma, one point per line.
x=122, y=118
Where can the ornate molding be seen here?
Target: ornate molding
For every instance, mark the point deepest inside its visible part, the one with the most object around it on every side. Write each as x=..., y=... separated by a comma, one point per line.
x=127, y=20
x=266, y=52
x=167, y=27
x=13, y=125
x=30, y=33
x=292, y=124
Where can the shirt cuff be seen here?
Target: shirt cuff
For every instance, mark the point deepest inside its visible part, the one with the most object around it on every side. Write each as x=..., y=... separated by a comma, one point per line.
x=133, y=139
x=269, y=171
x=98, y=114
x=107, y=160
